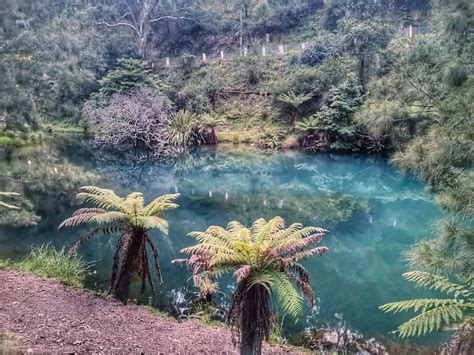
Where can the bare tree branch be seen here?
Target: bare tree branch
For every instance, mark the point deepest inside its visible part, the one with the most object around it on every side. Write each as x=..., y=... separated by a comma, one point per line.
x=119, y=24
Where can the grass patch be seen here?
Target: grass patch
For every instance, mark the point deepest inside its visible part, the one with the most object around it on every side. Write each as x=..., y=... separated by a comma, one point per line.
x=159, y=313
x=9, y=344
x=49, y=262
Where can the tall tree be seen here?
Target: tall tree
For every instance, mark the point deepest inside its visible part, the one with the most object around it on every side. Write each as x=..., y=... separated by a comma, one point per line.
x=140, y=16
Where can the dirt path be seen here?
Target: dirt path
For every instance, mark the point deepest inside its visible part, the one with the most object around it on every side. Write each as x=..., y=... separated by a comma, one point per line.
x=50, y=317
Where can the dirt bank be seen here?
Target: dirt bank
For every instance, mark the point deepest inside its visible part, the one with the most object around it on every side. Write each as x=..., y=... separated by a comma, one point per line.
x=48, y=316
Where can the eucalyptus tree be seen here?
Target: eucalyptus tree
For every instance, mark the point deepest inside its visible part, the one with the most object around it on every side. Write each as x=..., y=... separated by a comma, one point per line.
x=141, y=17
x=132, y=220
x=265, y=261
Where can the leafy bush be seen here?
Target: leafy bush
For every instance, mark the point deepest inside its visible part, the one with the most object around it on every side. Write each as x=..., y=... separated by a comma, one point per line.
x=131, y=74
x=317, y=53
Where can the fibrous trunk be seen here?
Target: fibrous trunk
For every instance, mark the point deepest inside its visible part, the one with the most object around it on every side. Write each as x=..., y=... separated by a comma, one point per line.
x=132, y=247
x=250, y=312
x=212, y=136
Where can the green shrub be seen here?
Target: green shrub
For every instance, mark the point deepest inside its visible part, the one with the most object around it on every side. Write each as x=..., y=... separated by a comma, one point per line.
x=46, y=261
x=236, y=139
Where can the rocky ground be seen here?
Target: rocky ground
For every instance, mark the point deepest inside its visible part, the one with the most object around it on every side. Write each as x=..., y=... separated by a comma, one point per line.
x=47, y=316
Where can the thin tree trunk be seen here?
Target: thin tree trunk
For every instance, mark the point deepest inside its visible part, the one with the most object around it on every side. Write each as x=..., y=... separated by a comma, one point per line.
x=255, y=320
x=131, y=265
x=212, y=136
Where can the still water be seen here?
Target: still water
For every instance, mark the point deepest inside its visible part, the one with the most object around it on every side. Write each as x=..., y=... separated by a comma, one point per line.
x=373, y=214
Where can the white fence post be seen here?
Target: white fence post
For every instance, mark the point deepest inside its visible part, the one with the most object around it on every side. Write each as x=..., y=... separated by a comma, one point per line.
x=263, y=51
x=167, y=60
x=222, y=55
x=267, y=38
x=204, y=57
x=410, y=31
x=245, y=51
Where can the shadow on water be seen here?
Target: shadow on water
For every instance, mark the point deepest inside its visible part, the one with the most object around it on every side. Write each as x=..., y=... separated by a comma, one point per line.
x=373, y=214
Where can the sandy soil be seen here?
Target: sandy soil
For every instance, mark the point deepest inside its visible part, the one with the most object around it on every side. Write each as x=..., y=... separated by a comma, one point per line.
x=48, y=316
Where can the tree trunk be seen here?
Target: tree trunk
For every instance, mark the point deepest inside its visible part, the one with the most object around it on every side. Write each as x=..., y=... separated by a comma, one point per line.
x=255, y=320
x=131, y=265
x=213, y=136
x=361, y=71
x=145, y=29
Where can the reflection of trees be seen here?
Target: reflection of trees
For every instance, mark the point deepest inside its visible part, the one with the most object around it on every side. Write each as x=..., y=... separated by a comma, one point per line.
x=21, y=217
x=323, y=208
x=46, y=180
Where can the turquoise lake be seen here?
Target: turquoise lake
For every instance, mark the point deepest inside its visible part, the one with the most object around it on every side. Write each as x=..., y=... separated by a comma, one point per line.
x=373, y=214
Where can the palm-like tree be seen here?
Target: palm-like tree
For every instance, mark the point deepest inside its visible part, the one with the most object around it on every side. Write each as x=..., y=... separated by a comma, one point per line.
x=181, y=127
x=308, y=125
x=133, y=220
x=294, y=101
x=444, y=264
x=211, y=122
x=8, y=194
x=264, y=259
x=456, y=312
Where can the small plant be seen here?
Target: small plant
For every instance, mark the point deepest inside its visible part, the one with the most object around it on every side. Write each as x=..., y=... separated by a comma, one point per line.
x=212, y=122
x=235, y=139
x=46, y=261
x=295, y=101
x=269, y=138
x=181, y=128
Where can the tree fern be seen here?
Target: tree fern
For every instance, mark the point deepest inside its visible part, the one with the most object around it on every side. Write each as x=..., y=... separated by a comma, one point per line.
x=131, y=219
x=264, y=259
x=435, y=314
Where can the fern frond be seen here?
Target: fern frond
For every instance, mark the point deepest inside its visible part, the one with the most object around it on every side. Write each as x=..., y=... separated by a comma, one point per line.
x=437, y=282
x=431, y=320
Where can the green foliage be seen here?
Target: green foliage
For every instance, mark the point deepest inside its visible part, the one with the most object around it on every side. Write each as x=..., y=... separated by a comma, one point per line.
x=338, y=113
x=131, y=74
x=133, y=220
x=48, y=262
x=265, y=254
x=183, y=128
x=435, y=314
x=318, y=52
x=294, y=101
x=308, y=125
x=269, y=138
x=21, y=214
x=129, y=212
x=265, y=261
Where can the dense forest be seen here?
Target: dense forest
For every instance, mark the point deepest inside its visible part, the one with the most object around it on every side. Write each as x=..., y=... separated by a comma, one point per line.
x=151, y=80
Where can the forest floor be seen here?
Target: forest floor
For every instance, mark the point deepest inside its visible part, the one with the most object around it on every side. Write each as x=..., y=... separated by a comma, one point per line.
x=45, y=316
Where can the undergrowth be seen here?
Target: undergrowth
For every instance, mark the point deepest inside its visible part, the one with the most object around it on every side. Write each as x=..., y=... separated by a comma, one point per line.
x=46, y=261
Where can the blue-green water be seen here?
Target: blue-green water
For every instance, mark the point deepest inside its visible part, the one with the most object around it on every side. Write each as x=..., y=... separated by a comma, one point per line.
x=373, y=214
